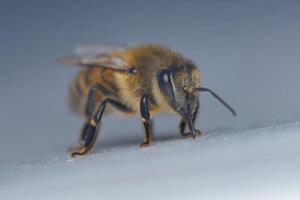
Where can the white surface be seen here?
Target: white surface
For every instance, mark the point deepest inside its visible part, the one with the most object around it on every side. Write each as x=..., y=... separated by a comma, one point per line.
x=253, y=164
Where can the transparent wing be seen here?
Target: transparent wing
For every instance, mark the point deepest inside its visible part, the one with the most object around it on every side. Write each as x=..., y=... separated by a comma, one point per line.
x=97, y=56
x=96, y=49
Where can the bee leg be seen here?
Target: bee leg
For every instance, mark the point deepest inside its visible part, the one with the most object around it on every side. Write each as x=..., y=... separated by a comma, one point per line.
x=98, y=88
x=91, y=128
x=183, y=125
x=88, y=137
x=144, y=110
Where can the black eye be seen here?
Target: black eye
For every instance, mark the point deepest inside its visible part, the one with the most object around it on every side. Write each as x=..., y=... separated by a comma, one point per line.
x=165, y=84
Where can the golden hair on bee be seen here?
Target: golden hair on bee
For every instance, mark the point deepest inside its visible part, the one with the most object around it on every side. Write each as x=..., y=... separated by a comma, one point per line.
x=141, y=80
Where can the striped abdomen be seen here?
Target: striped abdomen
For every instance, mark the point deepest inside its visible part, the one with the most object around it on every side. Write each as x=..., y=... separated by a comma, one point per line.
x=84, y=81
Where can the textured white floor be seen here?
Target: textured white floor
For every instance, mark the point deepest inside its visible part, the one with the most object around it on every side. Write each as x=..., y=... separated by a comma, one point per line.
x=252, y=164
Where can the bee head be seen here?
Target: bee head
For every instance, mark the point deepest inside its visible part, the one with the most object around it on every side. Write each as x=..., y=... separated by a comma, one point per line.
x=178, y=86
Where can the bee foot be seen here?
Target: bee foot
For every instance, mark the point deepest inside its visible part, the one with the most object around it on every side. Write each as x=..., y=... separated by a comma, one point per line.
x=79, y=152
x=145, y=144
x=190, y=134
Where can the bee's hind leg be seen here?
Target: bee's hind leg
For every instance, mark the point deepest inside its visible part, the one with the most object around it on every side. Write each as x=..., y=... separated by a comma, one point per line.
x=90, y=131
x=183, y=125
x=91, y=128
x=88, y=137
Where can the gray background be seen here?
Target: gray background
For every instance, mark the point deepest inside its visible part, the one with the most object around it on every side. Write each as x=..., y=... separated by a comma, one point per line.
x=248, y=52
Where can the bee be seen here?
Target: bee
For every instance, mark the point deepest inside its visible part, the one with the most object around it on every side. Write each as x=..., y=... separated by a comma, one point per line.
x=142, y=80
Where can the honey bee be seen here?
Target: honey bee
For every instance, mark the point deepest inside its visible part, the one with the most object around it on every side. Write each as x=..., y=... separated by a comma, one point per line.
x=142, y=80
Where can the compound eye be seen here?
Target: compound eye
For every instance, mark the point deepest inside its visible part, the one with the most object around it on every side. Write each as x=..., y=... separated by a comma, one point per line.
x=165, y=76
x=165, y=83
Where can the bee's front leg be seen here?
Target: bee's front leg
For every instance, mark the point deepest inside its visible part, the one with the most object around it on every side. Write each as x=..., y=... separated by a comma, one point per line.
x=144, y=110
x=183, y=125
